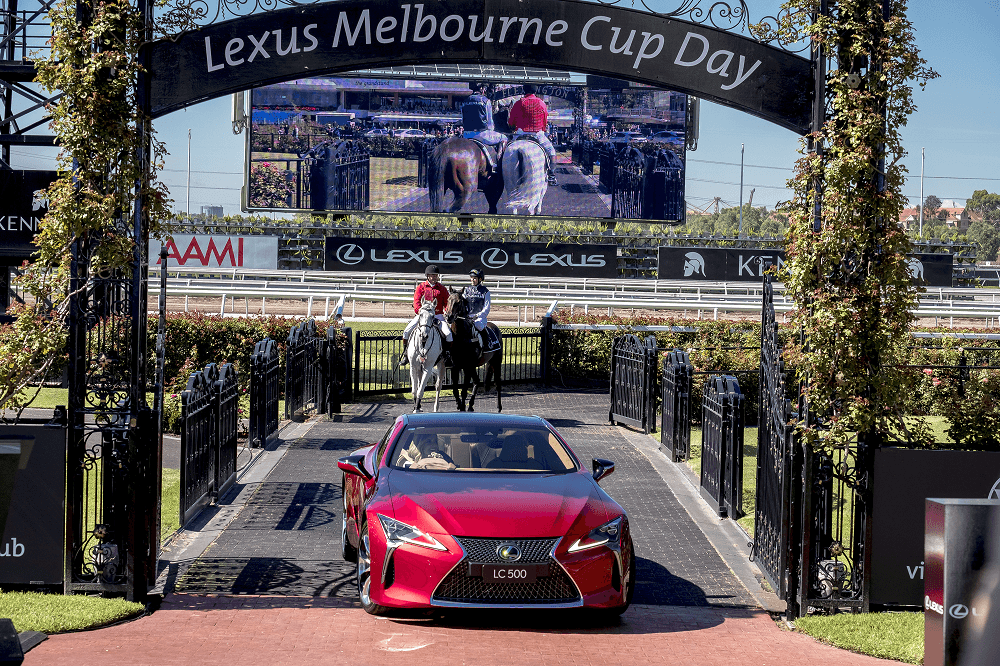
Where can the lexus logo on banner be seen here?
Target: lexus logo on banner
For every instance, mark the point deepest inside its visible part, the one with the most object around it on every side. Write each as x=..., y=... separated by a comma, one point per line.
x=459, y=257
x=731, y=264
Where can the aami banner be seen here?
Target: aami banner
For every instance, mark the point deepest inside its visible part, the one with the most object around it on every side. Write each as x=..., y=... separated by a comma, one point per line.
x=729, y=264
x=459, y=257
x=23, y=202
x=32, y=485
x=904, y=478
x=217, y=251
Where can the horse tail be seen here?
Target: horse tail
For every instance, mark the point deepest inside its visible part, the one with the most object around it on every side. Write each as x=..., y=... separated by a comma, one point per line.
x=435, y=179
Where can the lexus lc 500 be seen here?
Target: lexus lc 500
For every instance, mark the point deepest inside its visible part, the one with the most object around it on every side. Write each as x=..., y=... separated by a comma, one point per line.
x=483, y=511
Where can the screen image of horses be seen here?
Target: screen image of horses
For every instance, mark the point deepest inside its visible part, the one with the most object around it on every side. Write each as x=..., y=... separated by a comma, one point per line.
x=378, y=141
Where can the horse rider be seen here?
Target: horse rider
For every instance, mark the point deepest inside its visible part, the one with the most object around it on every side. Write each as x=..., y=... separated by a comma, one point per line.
x=431, y=288
x=478, y=298
x=478, y=125
x=530, y=116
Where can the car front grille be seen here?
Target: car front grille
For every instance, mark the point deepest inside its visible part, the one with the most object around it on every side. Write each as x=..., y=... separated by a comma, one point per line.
x=459, y=587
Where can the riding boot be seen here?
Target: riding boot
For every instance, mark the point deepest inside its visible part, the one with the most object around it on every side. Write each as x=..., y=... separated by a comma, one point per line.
x=404, y=359
x=447, y=354
x=552, y=177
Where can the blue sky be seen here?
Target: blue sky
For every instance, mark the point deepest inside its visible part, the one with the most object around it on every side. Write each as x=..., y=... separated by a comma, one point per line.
x=956, y=122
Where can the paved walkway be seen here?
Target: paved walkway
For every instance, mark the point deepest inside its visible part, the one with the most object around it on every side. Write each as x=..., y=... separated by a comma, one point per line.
x=270, y=588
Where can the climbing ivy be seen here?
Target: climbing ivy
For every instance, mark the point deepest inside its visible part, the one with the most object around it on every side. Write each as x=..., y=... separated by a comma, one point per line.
x=846, y=265
x=93, y=64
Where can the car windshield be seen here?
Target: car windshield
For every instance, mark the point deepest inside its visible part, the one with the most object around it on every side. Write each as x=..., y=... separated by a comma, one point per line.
x=481, y=448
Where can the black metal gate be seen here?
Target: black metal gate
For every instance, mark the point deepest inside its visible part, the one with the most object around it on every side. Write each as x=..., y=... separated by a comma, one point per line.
x=633, y=382
x=338, y=176
x=722, y=445
x=264, y=391
x=226, y=408
x=197, y=446
x=377, y=354
x=675, y=421
x=627, y=182
x=776, y=533
x=304, y=358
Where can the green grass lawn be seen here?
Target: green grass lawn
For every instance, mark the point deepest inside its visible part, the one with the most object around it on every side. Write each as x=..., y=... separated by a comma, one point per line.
x=55, y=613
x=170, y=502
x=749, y=472
x=898, y=636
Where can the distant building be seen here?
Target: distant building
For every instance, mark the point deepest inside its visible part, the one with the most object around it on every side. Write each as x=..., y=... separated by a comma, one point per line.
x=957, y=217
x=211, y=211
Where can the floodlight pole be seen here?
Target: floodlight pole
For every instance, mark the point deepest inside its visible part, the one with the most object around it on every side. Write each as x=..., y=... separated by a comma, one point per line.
x=921, y=228
x=740, y=234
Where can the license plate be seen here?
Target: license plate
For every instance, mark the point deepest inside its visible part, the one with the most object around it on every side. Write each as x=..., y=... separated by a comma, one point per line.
x=509, y=573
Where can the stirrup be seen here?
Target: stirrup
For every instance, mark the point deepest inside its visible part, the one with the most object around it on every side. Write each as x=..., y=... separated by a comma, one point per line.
x=403, y=360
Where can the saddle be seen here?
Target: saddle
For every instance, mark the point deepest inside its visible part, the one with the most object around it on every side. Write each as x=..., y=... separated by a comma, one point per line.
x=491, y=153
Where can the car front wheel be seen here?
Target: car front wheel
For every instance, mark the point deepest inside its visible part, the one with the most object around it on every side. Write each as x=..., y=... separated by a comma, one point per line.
x=364, y=570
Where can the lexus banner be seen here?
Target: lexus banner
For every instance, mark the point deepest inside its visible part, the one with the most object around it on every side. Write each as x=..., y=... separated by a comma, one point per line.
x=730, y=264
x=371, y=255
x=23, y=202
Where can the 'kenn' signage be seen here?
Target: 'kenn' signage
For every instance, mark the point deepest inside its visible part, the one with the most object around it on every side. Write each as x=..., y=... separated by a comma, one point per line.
x=729, y=264
x=459, y=257
x=23, y=203
x=277, y=46
x=217, y=251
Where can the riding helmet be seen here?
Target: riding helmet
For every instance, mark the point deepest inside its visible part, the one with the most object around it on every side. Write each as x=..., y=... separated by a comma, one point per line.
x=475, y=272
x=432, y=269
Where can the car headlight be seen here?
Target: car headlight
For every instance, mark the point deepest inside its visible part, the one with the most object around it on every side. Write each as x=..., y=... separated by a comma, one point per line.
x=398, y=533
x=605, y=535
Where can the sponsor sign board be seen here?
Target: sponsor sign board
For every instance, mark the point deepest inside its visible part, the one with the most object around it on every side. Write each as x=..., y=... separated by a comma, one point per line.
x=459, y=257
x=963, y=561
x=904, y=478
x=217, y=251
x=727, y=264
x=32, y=486
x=23, y=202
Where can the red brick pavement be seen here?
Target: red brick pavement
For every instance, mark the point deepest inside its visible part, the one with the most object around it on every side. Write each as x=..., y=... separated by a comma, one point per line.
x=274, y=631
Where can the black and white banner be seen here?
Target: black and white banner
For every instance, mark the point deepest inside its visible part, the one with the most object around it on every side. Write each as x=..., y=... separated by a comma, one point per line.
x=459, y=257
x=309, y=40
x=728, y=264
x=23, y=202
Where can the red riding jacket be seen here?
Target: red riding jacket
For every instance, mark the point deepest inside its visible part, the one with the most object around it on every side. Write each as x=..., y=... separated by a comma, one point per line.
x=426, y=292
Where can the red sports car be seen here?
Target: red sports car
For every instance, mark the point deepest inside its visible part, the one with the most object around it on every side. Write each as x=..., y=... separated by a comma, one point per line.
x=483, y=511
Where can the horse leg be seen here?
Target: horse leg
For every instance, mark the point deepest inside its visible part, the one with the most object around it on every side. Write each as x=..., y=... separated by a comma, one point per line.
x=466, y=183
x=493, y=189
x=475, y=387
x=419, y=394
x=440, y=380
x=456, y=375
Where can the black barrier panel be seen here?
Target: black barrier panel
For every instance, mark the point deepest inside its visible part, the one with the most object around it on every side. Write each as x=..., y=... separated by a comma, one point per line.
x=904, y=478
x=459, y=257
x=961, y=555
x=32, y=485
x=579, y=36
x=726, y=264
x=23, y=202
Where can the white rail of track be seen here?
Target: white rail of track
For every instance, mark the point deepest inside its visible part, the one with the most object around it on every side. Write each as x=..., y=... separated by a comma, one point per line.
x=319, y=289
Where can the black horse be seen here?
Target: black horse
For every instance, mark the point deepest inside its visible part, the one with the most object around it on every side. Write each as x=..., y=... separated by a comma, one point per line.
x=459, y=165
x=467, y=353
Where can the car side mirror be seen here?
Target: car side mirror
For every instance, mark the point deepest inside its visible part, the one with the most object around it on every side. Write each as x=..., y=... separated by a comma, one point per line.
x=354, y=465
x=602, y=468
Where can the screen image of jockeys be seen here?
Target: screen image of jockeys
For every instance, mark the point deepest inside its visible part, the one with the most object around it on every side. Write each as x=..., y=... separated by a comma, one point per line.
x=383, y=140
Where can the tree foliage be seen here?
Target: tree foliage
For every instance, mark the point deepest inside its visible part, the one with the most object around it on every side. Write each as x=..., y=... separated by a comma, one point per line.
x=105, y=173
x=846, y=267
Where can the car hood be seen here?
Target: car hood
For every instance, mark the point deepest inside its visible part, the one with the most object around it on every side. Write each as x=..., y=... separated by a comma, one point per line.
x=507, y=506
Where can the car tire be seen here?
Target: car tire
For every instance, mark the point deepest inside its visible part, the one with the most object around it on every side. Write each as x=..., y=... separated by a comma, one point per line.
x=364, y=574
x=347, y=551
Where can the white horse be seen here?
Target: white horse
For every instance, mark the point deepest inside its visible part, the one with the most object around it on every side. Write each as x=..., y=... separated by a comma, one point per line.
x=425, y=353
x=524, y=176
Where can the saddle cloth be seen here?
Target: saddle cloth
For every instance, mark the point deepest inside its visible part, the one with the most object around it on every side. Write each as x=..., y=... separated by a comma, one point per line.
x=490, y=152
x=489, y=338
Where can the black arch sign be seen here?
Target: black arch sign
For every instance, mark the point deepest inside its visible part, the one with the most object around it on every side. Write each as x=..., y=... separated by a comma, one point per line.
x=563, y=34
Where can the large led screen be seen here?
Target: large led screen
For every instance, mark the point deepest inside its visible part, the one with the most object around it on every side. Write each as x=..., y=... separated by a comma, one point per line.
x=374, y=143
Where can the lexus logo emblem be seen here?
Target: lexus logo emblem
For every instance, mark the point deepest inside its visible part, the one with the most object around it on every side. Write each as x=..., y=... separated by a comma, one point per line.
x=994, y=491
x=494, y=258
x=509, y=552
x=350, y=254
